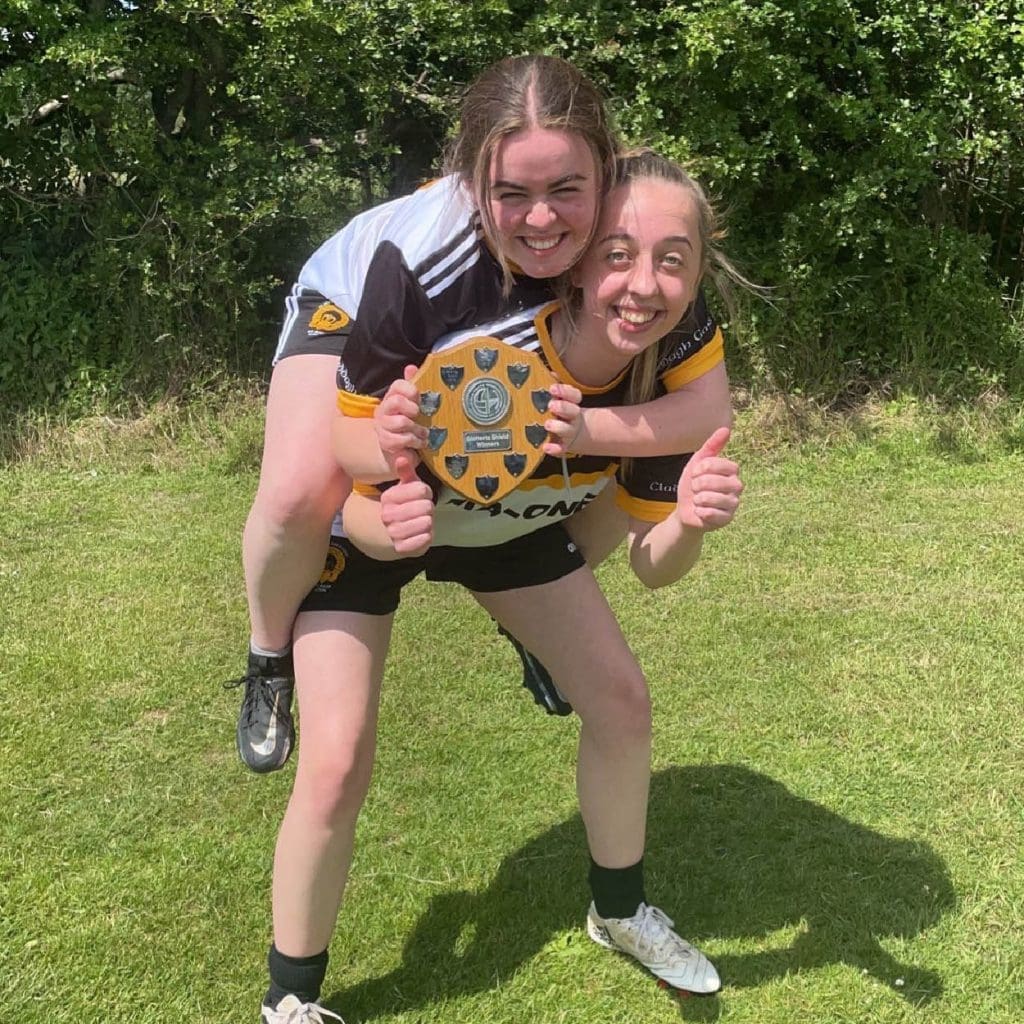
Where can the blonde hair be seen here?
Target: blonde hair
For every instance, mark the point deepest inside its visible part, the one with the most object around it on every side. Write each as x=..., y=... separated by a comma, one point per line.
x=516, y=94
x=642, y=165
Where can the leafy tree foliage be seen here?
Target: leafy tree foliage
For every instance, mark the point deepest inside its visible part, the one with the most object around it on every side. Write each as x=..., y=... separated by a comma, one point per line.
x=166, y=164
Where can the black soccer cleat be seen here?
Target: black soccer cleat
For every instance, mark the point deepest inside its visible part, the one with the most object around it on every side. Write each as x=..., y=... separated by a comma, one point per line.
x=265, y=733
x=537, y=680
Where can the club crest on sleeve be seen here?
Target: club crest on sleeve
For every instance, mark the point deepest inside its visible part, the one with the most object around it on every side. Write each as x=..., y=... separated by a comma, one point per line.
x=328, y=318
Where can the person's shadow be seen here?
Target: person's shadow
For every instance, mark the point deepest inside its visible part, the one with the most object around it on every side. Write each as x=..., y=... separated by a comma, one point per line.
x=731, y=854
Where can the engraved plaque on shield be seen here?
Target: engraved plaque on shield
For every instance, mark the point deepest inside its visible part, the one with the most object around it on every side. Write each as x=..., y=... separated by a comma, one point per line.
x=483, y=403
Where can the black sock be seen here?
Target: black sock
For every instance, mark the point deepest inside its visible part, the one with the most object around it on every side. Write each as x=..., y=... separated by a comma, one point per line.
x=617, y=892
x=298, y=975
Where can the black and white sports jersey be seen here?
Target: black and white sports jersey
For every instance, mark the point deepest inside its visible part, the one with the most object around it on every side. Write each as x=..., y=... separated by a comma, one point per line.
x=553, y=492
x=396, y=278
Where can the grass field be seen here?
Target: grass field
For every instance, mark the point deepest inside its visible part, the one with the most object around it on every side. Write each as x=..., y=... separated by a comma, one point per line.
x=837, y=811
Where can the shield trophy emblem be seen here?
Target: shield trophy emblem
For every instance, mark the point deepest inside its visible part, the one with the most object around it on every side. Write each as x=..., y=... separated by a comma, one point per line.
x=484, y=404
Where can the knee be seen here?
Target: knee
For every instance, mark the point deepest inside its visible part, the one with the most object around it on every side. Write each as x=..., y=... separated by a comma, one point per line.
x=333, y=790
x=624, y=710
x=296, y=502
x=634, y=706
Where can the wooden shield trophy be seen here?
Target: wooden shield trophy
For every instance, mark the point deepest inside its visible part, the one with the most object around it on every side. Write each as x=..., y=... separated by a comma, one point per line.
x=484, y=404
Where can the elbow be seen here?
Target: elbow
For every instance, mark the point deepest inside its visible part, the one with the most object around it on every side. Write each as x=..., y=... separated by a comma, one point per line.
x=654, y=582
x=722, y=415
x=648, y=574
x=652, y=579
x=655, y=573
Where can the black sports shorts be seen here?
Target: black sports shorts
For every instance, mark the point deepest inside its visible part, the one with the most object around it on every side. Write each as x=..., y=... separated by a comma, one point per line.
x=354, y=582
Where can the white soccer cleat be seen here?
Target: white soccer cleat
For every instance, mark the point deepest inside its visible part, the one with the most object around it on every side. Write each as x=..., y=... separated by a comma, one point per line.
x=291, y=1011
x=648, y=937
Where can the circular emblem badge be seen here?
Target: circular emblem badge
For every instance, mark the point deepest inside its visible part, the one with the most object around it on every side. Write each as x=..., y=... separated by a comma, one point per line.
x=486, y=401
x=334, y=566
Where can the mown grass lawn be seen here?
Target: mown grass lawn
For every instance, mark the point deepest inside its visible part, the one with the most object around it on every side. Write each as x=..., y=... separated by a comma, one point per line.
x=837, y=812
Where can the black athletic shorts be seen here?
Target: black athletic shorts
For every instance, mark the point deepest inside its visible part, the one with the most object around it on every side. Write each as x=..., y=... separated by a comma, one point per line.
x=354, y=582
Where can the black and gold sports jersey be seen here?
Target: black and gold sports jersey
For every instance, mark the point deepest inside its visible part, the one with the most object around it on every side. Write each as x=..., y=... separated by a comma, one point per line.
x=394, y=279
x=553, y=491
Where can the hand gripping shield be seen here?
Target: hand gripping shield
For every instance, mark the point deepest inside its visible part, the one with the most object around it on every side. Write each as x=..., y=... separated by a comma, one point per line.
x=484, y=404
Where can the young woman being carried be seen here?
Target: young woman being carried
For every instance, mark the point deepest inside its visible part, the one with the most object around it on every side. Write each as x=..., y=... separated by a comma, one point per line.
x=401, y=275
x=516, y=209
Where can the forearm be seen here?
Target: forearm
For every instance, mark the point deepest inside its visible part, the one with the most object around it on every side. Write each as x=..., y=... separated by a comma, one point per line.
x=357, y=450
x=662, y=553
x=680, y=421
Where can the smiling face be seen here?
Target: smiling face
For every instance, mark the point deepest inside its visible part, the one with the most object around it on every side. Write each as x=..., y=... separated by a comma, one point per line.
x=543, y=199
x=641, y=273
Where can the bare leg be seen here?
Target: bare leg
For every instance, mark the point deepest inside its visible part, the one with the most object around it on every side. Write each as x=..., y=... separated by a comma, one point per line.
x=600, y=528
x=570, y=628
x=597, y=531
x=300, y=489
x=339, y=664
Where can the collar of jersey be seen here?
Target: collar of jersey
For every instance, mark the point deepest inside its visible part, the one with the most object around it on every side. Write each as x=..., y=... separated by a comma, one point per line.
x=554, y=361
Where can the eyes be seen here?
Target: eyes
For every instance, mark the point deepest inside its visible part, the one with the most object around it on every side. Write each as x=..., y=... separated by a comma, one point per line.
x=621, y=259
x=515, y=196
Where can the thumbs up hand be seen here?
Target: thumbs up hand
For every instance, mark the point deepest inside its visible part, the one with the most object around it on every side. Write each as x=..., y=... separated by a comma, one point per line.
x=407, y=510
x=710, y=486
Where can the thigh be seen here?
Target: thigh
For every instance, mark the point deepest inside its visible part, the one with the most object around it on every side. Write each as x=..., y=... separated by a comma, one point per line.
x=600, y=527
x=568, y=625
x=339, y=665
x=301, y=410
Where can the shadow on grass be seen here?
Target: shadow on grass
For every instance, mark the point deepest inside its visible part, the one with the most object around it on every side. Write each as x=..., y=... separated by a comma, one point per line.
x=731, y=854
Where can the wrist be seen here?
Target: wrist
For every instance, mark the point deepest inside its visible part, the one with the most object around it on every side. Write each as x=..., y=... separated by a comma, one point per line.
x=688, y=530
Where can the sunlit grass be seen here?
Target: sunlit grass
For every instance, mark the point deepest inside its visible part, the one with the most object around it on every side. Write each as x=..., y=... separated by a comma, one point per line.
x=836, y=811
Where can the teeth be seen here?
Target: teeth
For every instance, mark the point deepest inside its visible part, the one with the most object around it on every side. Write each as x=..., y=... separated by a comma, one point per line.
x=636, y=316
x=542, y=244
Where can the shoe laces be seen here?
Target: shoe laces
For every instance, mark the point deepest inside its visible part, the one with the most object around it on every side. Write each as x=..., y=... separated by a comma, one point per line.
x=306, y=1013
x=654, y=932
x=257, y=692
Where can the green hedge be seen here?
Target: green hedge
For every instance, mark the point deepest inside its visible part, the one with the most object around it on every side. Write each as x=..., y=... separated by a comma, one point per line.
x=166, y=167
